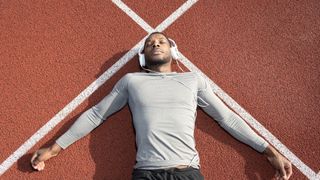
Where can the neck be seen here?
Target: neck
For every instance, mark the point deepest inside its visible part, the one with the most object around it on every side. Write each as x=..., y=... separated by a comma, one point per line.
x=164, y=68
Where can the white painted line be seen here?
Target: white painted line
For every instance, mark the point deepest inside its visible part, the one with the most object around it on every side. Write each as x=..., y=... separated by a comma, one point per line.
x=253, y=122
x=229, y=101
x=25, y=147
x=318, y=176
x=133, y=15
x=164, y=24
x=175, y=15
x=36, y=137
x=113, y=69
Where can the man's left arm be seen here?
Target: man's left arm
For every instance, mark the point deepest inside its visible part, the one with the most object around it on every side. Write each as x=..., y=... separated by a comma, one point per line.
x=239, y=129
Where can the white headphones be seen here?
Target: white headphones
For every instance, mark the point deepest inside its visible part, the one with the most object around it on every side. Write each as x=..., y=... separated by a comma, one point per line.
x=174, y=53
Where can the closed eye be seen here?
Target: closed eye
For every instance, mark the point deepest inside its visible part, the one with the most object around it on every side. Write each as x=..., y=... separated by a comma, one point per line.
x=151, y=42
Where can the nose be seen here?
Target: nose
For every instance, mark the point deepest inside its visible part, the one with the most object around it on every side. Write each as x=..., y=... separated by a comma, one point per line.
x=156, y=44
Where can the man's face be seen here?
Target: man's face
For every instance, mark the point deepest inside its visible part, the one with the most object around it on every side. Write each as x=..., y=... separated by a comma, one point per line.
x=157, y=50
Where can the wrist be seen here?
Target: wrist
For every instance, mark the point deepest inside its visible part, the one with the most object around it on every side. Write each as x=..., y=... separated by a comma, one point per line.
x=55, y=149
x=270, y=151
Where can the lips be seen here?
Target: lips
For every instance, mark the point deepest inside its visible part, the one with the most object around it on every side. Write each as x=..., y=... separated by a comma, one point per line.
x=157, y=51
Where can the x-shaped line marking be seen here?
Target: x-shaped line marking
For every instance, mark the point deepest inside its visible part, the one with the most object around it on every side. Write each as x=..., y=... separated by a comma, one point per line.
x=63, y=113
x=224, y=96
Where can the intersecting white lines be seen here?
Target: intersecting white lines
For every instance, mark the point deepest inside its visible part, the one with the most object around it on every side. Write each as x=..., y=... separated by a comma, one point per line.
x=133, y=15
x=307, y=171
x=119, y=64
x=45, y=129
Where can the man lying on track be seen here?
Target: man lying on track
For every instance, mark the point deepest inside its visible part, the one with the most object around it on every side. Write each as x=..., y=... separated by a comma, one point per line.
x=163, y=104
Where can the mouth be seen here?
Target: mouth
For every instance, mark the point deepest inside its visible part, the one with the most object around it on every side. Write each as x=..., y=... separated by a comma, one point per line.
x=157, y=52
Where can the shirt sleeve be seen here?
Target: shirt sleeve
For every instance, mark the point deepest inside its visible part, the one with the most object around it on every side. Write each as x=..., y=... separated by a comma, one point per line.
x=226, y=118
x=96, y=115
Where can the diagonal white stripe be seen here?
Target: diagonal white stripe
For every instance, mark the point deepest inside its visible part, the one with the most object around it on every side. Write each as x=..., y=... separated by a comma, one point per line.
x=24, y=148
x=253, y=122
x=175, y=15
x=96, y=84
x=233, y=104
x=317, y=177
x=133, y=15
x=36, y=137
x=163, y=25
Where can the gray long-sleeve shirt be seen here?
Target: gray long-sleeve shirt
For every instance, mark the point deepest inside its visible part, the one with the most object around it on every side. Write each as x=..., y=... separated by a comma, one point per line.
x=163, y=106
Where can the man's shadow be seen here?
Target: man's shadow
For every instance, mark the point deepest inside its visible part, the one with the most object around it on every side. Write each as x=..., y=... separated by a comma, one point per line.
x=112, y=144
x=256, y=165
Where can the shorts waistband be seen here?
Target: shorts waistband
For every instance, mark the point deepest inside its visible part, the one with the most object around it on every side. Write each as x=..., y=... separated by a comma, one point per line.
x=171, y=170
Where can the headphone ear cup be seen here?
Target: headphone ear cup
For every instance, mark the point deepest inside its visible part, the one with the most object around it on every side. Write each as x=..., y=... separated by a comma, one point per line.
x=174, y=50
x=142, y=59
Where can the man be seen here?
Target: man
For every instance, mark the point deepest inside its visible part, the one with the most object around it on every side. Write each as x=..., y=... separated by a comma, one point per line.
x=163, y=104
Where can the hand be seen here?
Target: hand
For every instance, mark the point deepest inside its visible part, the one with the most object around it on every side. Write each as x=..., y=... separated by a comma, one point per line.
x=281, y=164
x=38, y=158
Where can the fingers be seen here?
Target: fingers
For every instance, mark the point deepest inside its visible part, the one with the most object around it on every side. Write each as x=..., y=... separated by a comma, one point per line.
x=34, y=156
x=37, y=165
x=288, y=168
x=283, y=172
x=37, y=160
x=40, y=166
x=282, y=166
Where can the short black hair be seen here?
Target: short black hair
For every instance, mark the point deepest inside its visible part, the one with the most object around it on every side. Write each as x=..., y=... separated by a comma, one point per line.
x=156, y=32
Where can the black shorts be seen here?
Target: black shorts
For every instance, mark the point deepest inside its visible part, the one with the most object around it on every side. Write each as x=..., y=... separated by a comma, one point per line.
x=189, y=173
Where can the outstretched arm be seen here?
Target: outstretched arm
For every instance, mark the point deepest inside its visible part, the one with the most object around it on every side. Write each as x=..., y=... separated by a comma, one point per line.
x=237, y=127
x=88, y=121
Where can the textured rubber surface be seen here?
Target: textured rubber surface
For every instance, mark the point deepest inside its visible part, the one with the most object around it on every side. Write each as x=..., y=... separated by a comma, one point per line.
x=265, y=55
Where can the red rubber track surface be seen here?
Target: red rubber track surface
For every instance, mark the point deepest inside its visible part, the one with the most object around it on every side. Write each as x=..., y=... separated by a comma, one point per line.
x=264, y=54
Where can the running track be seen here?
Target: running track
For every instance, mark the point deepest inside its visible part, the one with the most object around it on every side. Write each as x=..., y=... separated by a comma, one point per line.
x=264, y=55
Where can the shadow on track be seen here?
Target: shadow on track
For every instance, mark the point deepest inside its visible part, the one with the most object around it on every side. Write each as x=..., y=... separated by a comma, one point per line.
x=112, y=144
x=256, y=165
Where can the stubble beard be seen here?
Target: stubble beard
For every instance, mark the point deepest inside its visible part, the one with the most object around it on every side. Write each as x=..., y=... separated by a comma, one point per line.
x=157, y=61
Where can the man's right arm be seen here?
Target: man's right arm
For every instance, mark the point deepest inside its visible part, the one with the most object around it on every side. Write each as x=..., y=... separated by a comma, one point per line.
x=87, y=121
